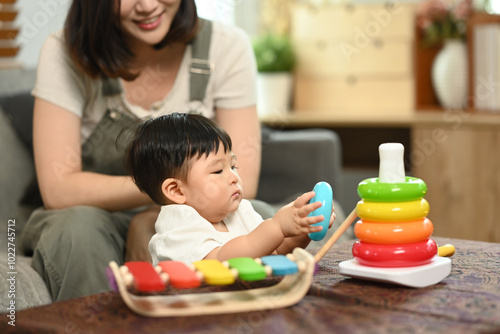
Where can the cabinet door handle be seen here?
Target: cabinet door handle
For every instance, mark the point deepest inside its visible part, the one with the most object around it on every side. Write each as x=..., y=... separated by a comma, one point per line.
x=378, y=43
x=351, y=80
x=321, y=44
x=349, y=7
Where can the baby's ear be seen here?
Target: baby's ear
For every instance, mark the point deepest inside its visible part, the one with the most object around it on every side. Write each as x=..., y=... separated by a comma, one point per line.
x=172, y=189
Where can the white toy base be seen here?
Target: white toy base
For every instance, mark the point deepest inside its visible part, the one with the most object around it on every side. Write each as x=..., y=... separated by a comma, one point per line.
x=416, y=277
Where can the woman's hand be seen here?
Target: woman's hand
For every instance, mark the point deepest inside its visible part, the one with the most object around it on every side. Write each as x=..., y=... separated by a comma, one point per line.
x=140, y=231
x=58, y=161
x=333, y=216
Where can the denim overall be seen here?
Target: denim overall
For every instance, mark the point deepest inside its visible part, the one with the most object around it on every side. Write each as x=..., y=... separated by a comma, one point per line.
x=72, y=247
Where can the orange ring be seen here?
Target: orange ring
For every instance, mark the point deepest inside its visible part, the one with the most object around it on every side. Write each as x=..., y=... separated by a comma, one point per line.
x=393, y=233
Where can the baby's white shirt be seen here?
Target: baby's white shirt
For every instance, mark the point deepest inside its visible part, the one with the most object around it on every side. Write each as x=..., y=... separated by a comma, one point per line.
x=183, y=235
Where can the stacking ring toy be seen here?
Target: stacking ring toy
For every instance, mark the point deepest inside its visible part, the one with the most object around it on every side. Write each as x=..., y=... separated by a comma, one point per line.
x=324, y=194
x=392, y=211
x=402, y=255
x=394, y=233
x=376, y=191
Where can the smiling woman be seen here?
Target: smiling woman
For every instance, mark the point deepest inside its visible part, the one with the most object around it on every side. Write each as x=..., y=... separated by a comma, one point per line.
x=147, y=22
x=138, y=23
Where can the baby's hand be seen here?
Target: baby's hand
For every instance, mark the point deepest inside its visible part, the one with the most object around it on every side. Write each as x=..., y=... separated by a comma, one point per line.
x=293, y=217
x=333, y=216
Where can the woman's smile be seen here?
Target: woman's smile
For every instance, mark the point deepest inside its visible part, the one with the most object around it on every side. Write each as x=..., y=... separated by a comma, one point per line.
x=150, y=23
x=147, y=22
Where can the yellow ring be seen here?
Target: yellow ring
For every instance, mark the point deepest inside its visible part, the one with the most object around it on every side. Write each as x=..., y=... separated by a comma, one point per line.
x=393, y=233
x=392, y=212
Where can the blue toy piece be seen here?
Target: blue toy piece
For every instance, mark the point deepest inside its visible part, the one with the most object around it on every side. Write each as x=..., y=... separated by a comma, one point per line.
x=280, y=264
x=324, y=194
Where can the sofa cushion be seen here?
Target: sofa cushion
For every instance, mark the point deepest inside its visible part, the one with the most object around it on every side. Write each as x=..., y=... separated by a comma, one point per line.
x=294, y=161
x=19, y=109
x=29, y=289
x=17, y=172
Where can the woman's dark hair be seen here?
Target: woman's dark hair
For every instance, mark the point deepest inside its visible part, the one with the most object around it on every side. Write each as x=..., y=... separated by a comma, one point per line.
x=164, y=147
x=97, y=45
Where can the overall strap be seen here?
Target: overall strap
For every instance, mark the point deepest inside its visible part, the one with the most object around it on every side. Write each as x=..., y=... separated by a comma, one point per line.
x=201, y=67
x=199, y=71
x=110, y=86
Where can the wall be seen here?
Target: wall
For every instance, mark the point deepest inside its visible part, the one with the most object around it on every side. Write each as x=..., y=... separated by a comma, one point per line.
x=242, y=13
x=37, y=20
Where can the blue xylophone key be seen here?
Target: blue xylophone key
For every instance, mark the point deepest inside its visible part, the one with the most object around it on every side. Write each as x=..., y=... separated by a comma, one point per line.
x=280, y=264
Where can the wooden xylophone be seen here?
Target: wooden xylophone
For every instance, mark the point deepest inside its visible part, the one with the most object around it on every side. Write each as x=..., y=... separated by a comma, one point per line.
x=297, y=269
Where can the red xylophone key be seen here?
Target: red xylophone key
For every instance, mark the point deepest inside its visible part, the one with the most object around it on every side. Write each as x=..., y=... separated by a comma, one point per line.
x=146, y=279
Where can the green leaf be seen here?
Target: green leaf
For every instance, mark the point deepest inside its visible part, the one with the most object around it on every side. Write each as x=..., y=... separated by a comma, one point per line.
x=274, y=53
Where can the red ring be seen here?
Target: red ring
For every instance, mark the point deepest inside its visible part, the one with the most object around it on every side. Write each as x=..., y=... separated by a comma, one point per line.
x=393, y=232
x=400, y=255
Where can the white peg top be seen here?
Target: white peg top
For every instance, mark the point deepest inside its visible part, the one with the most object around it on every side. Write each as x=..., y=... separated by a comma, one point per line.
x=392, y=167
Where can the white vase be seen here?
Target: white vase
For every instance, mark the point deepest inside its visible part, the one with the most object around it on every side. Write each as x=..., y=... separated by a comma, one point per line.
x=274, y=93
x=450, y=75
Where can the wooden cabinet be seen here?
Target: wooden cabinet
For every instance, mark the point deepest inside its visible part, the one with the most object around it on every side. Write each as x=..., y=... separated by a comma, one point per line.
x=354, y=58
x=359, y=95
x=458, y=156
x=457, y=152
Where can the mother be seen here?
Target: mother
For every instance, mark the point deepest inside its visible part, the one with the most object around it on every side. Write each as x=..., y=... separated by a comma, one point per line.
x=116, y=62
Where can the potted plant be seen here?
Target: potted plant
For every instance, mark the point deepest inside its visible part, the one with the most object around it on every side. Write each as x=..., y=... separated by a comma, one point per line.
x=275, y=63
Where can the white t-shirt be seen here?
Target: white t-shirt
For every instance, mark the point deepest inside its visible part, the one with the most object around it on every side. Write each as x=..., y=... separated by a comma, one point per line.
x=183, y=235
x=231, y=84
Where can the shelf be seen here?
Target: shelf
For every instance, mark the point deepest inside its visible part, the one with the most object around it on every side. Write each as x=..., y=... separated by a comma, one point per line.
x=8, y=12
x=432, y=115
x=8, y=31
x=6, y=64
x=425, y=98
x=324, y=118
x=422, y=62
x=476, y=19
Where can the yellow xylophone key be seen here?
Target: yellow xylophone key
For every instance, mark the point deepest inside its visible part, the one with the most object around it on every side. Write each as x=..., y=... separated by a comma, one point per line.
x=214, y=272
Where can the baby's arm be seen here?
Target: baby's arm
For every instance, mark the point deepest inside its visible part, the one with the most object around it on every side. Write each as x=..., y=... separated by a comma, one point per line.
x=290, y=221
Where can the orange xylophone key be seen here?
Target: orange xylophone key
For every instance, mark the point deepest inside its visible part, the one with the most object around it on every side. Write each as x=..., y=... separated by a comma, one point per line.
x=180, y=275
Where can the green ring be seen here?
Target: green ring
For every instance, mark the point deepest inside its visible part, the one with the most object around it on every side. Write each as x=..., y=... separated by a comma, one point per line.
x=375, y=191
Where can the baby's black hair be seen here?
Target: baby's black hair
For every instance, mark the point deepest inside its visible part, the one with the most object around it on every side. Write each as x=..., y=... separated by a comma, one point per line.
x=163, y=147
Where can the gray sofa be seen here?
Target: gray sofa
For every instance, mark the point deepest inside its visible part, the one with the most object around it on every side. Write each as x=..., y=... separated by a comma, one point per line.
x=293, y=161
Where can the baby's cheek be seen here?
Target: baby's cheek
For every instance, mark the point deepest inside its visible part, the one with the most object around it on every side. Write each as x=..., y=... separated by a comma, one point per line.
x=211, y=190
